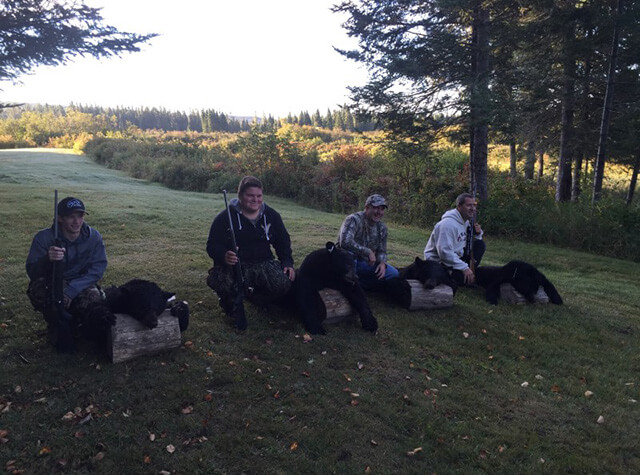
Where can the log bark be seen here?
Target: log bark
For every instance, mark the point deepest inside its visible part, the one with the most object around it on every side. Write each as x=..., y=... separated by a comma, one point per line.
x=424, y=299
x=511, y=295
x=337, y=307
x=129, y=338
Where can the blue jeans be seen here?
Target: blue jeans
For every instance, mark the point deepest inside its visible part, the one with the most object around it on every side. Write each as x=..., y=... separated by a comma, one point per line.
x=367, y=275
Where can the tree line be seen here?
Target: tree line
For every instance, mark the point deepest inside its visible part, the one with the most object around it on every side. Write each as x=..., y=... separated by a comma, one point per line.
x=206, y=120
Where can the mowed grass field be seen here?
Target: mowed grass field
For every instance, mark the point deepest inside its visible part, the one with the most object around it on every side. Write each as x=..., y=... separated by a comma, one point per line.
x=470, y=389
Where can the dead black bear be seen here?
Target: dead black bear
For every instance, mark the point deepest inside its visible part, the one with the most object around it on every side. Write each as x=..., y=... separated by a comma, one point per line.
x=429, y=273
x=524, y=277
x=334, y=268
x=145, y=301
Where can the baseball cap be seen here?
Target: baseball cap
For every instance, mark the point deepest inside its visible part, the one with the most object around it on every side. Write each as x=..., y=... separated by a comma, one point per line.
x=70, y=205
x=376, y=200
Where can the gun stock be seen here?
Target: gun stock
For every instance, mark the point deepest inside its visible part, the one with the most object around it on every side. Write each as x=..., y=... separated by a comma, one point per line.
x=238, y=298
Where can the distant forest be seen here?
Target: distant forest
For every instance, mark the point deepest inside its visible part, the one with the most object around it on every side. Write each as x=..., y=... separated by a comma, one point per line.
x=209, y=120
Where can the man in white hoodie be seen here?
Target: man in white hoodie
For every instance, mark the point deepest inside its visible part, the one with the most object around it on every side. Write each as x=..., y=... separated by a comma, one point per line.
x=447, y=243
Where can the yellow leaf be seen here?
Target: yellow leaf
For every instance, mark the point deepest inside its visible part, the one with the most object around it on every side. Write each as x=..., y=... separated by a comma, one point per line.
x=293, y=446
x=411, y=453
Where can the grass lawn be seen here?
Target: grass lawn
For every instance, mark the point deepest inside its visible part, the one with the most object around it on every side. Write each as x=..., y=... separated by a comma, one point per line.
x=434, y=391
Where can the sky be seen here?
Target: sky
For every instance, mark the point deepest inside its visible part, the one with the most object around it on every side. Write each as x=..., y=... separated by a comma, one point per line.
x=240, y=57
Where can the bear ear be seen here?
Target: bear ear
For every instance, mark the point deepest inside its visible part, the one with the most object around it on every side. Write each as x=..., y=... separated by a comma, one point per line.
x=418, y=260
x=330, y=246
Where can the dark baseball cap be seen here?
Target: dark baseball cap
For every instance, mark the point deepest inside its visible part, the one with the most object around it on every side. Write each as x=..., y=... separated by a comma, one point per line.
x=70, y=205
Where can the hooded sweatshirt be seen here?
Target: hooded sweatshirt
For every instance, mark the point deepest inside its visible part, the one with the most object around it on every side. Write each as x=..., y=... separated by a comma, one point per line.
x=448, y=239
x=85, y=259
x=254, y=240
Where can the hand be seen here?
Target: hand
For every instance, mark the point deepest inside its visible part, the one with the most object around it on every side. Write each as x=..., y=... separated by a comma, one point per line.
x=230, y=258
x=291, y=273
x=381, y=269
x=469, y=277
x=56, y=253
x=476, y=228
x=372, y=257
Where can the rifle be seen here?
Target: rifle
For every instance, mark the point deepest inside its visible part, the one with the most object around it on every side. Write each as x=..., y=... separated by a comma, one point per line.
x=472, y=225
x=238, y=305
x=64, y=343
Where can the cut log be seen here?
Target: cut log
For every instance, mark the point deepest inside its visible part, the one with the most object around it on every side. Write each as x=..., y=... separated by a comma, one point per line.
x=337, y=307
x=129, y=338
x=511, y=295
x=423, y=299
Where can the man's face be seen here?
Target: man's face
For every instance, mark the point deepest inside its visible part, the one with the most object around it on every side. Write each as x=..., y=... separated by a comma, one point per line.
x=374, y=213
x=72, y=224
x=251, y=199
x=467, y=209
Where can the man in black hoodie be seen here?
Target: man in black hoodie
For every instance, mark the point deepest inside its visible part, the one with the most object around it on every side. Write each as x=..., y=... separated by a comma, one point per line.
x=257, y=228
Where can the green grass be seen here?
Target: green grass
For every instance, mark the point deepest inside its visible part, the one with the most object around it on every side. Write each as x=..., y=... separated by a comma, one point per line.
x=267, y=402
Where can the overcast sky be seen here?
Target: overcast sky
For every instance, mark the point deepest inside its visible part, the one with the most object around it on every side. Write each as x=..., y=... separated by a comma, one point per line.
x=241, y=57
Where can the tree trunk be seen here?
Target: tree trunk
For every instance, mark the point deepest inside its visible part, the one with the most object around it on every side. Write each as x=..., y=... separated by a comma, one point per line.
x=540, y=165
x=530, y=162
x=606, y=111
x=634, y=179
x=513, y=160
x=479, y=101
x=576, y=189
x=563, y=184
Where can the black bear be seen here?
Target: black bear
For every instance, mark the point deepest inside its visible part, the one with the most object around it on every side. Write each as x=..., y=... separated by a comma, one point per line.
x=524, y=277
x=429, y=273
x=145, y=301
x=330, y=267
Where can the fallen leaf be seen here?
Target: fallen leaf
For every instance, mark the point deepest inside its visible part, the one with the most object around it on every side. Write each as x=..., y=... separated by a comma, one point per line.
x=355, y=395
x=521, y=338
x=360, y=365
x=69, y=416
x=277, y=395
x=146, y=459
x=373, y=442
x=208, y=397
x=79, y=434
x=187, y=410
x=293, y=446
x=188, y=344
x=588, y=394
x=411, y=453
x=525, y=384
x=600, y=420
x=170, y=448
x=152, y=436
x=465, y=334
x=555, y=388
x=354, y=402
x=346, y=376
x=539, y=377
x=99, y=456
x=44, y=451
x=306, y=338
x=306, y=373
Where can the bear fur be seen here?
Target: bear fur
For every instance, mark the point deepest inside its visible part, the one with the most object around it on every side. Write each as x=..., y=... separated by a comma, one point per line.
x=329, y=267
x=429, y=273
x=524, y=277
x=145, y=301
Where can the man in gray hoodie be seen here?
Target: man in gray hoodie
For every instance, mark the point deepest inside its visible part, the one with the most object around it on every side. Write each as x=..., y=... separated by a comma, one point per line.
x=447, y=243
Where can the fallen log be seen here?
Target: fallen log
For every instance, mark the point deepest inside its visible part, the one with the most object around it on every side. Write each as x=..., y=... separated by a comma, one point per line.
x=337, y=307
x=510, y=295
x=129, y=338
x=422, y=298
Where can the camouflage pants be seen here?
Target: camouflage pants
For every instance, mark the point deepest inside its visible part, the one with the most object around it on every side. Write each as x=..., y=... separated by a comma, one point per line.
x=264, y=282
x=87, y=311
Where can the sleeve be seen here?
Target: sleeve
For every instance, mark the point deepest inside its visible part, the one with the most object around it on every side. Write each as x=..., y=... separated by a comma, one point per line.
x=38, y=264
x=445, y=244
x=282, y=241
x=218, y=242
x=94, y=270
x=346, y=238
